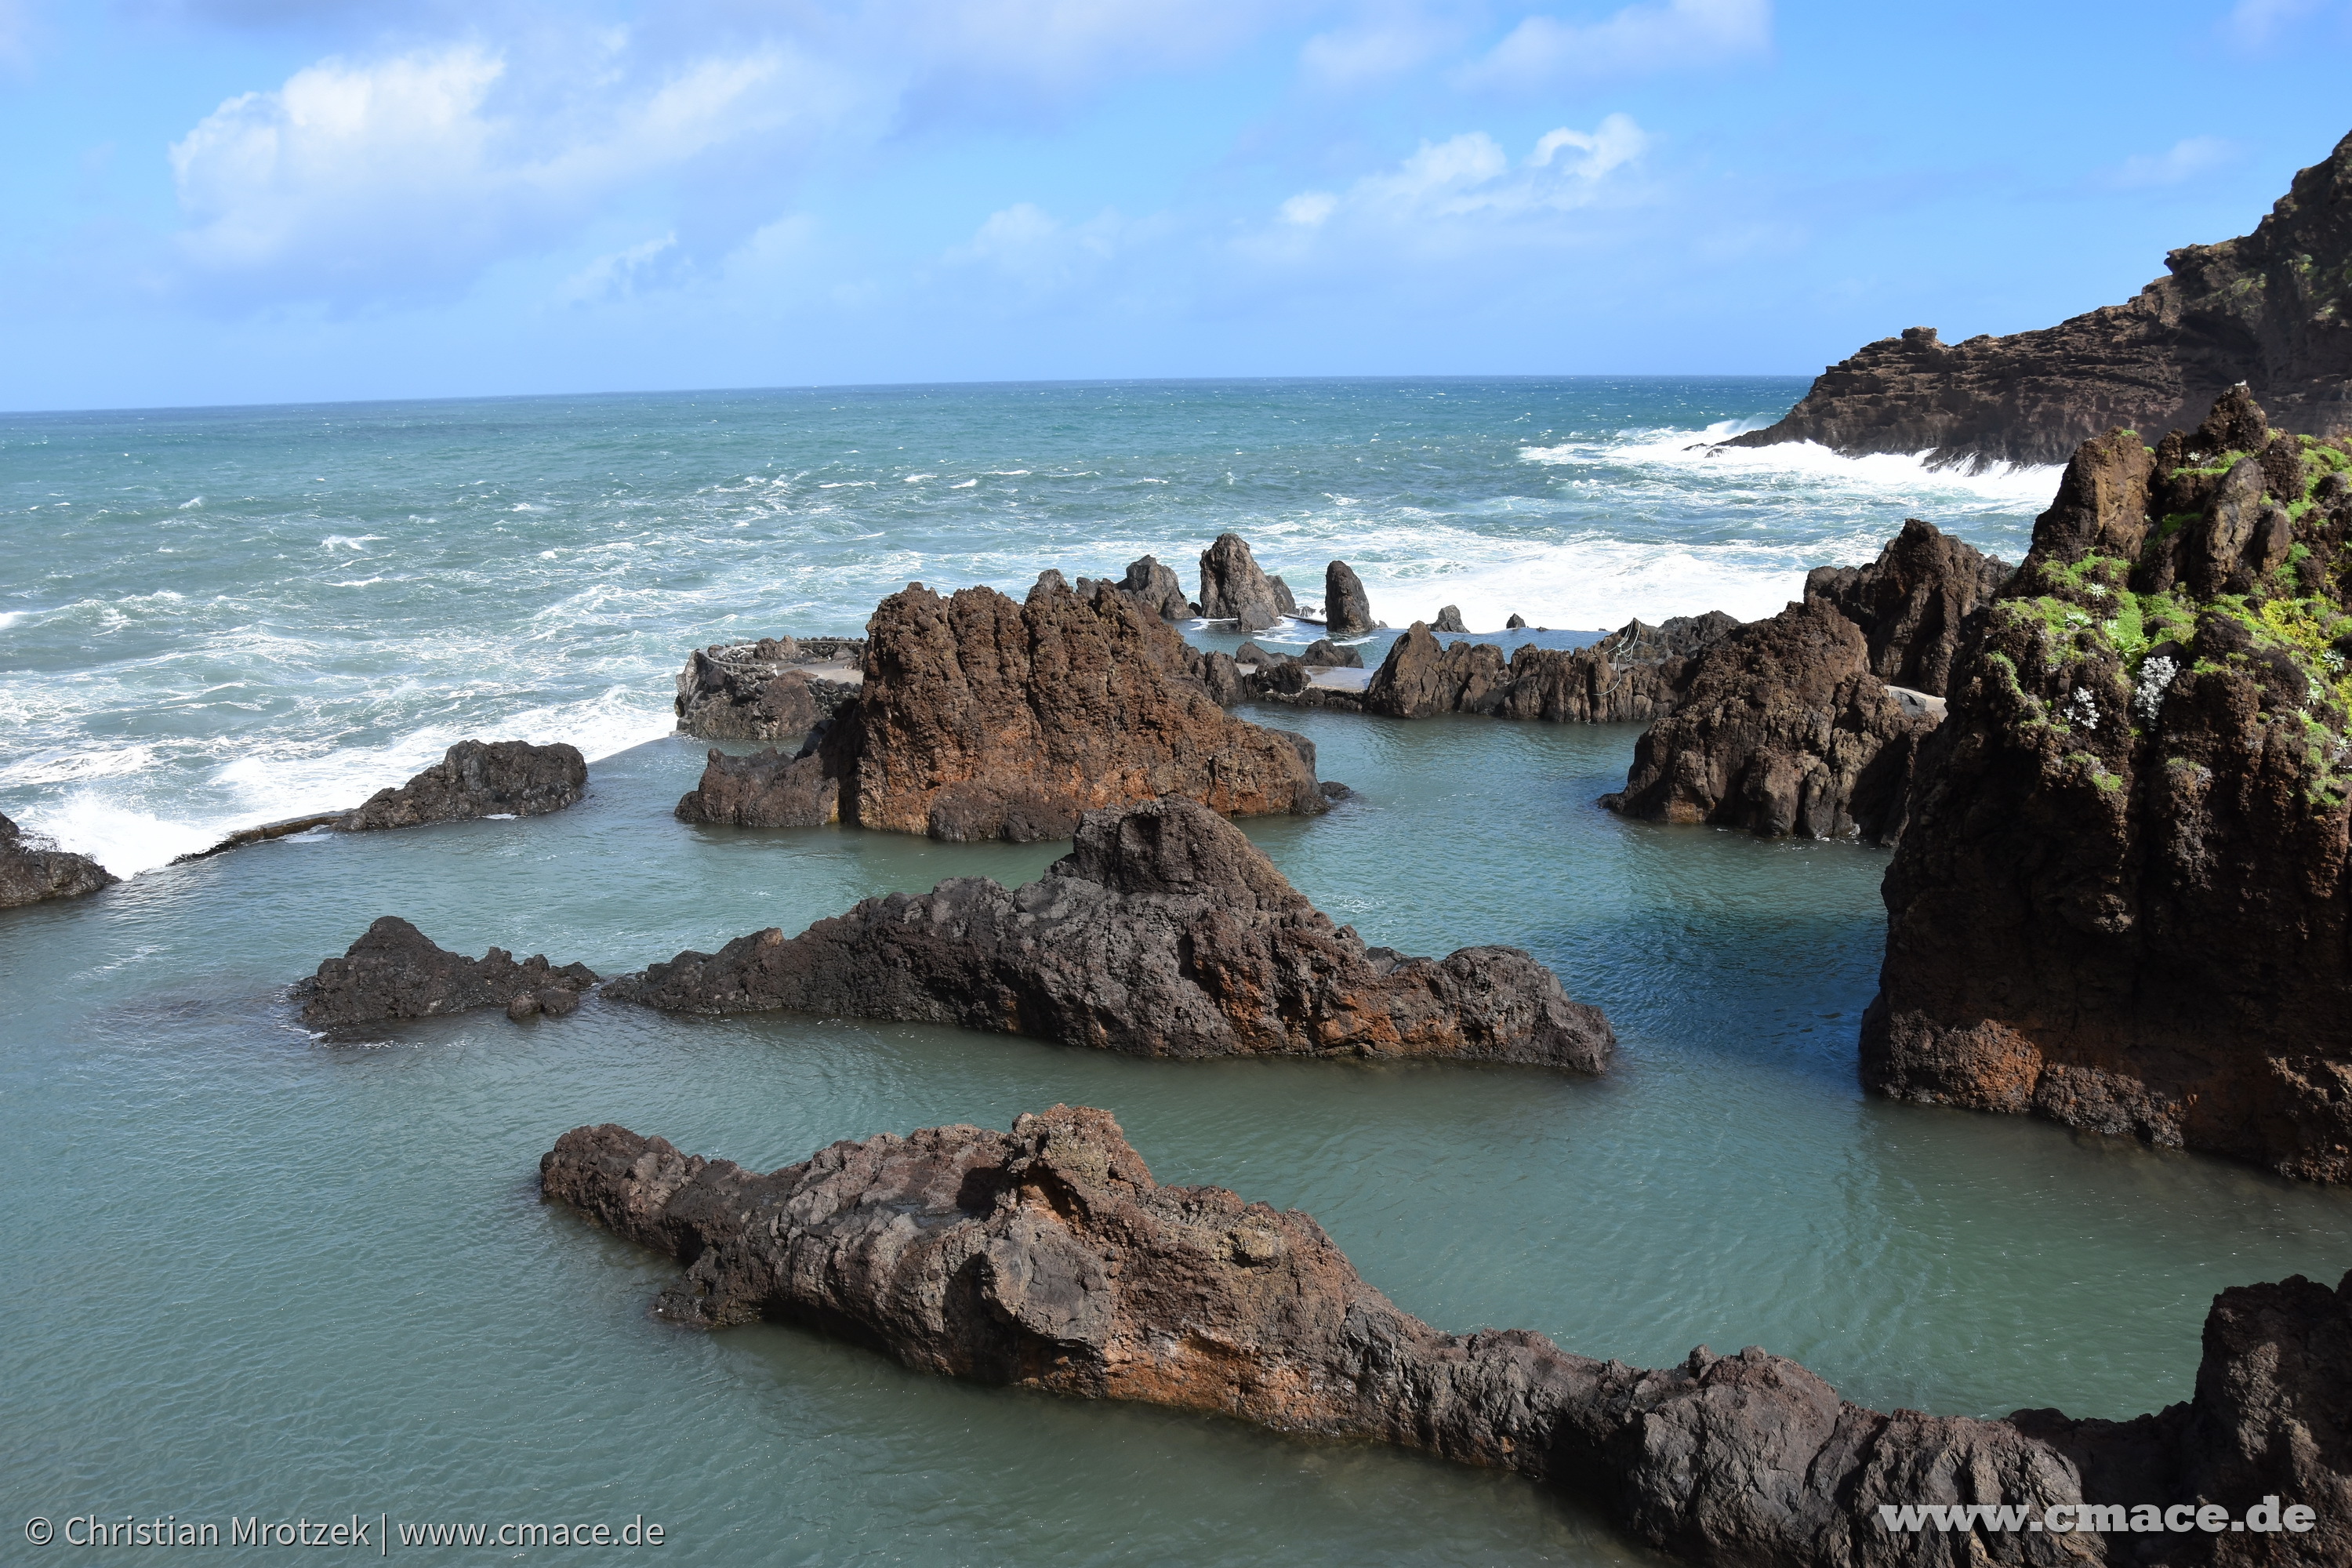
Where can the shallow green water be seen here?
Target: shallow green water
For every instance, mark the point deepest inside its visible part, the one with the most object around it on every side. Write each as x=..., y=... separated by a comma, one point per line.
x=250, y=1273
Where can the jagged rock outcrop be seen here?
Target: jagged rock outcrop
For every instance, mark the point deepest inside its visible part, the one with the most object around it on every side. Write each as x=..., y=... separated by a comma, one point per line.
x=1517, y=623
x=393, y=972
x=1912, y=601
x=981, y=718
x=766, y=691
x=476, y=778
x=1784, y=731
x=1325, y=654
x=2272, y=308
x=31, y=870
x=1164, y=932
x=1234, y=588
x=1633, y=675
x=2121, y=901
x=1346, y=609
x=1156, y=588
x=1449, y=619
x=1048, y=1258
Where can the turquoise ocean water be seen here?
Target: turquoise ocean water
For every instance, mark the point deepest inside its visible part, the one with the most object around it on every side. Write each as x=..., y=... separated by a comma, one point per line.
x=255, y=1274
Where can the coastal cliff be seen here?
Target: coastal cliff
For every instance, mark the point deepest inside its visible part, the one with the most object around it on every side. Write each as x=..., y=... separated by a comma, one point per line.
x=2121, y=902
x=2272, y=308
x=1047, y=1258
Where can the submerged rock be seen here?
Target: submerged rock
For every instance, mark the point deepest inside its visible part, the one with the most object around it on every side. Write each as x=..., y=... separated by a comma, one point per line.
x=1048, y=1258
x=2121, y=901
x=393, y=972
x=476, y=778
x=31, y=872
x=1165, y=932
x=1234, y=588
x=2272, y=308
x=1347, y=611
x=1783, y=730
x=766, y=691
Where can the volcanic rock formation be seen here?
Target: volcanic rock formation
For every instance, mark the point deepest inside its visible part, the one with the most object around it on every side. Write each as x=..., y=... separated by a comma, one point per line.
x=1233, y=588
x=31, y=872
x=1048, y=1258
x=766, y=691
x=1810, y=723
x=1449, y=619
x=393, y=972
x=2272, y=308
x=1347, y=611
x=979, y=718
x=1633, y=675
x=1164, y=932
x=2121, y=901
x=1156, y=587
x=1784, y=731
x=479, y=778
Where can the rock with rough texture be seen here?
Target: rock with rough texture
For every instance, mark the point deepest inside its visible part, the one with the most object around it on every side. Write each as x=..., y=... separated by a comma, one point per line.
x=31, y=870
x=1234, y=588
x=1164, y=932
x=393, y=972
x=1261, y=658
x=1347, y=610
x=766, y=691
x=768, y=789
x=1449, y=619
x=476, y=778
x=1156, y=588
x=1912, y=601
x=983, y=719
x=2121, y=901
x=2272, y=308
x=1635, y=674
x=1325, y=654
x=1047, y=1258
x=1517, y=623
x=1784, y=731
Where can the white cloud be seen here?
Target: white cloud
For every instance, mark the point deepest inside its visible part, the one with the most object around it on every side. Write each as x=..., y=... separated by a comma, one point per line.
x=1659, y=35
x=1037, y=251
x=1376, y=49
x=2254, y=23
x=407, y=174
x=1470, y=177
x=620, y=273
x=2184, y=161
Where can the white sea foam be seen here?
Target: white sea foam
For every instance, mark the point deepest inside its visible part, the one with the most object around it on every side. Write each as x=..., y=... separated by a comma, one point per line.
x=1698, y=456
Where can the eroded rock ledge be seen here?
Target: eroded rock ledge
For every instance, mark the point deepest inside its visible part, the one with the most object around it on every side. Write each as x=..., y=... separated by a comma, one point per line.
x=981, y=718
x=1164, y=932
x=394, y=970
x=772, y=690
x=1048, y=1258
x=1633, y=675
x=2121, y=901
x=2272, y=308
x=31, y=870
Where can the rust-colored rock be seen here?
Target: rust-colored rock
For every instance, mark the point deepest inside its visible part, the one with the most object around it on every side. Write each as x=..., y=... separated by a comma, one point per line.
x=1048, y=1258
x=1784, y=731
x=980, y=716
x=2121, y=901
x=1164, y=932
x=2272, y=308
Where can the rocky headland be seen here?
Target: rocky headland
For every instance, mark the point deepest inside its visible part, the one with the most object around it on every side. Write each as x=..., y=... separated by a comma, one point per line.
x=981, y=718
x=1048, y=1258
x=394, y=970
x=31, y=870
x=772, y=690
x=477, y=779
x=2272, y=308
x=1164, y=932
x=2121, y=901
x=1809, y=723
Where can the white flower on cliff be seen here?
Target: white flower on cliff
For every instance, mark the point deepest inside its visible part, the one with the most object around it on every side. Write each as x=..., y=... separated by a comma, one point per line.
x=2154, y=678
x=2080, y=709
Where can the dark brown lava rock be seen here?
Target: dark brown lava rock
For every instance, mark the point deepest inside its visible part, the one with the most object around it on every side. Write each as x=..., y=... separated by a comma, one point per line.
x=31, y=872
x=1164, y=932
x=476, y=778
x=393, y=972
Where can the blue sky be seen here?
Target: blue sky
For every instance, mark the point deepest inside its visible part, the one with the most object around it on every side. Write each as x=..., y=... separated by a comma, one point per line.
x=240, y=201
